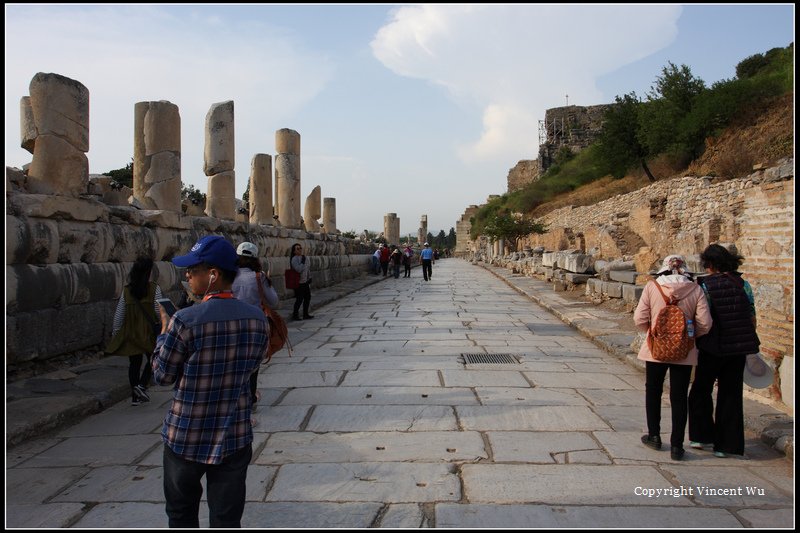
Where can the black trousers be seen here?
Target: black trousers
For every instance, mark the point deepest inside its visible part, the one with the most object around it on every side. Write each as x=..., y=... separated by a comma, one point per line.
x=427, y=269
x=134, y=378
x=407, y=270
x=679, y=376
x=385, y=268
x=302, y=295
x=725, y=428
x=226, y=483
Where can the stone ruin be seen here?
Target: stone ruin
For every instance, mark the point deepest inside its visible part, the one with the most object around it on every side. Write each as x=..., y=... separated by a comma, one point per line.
x=609, y=250
x=71, y=238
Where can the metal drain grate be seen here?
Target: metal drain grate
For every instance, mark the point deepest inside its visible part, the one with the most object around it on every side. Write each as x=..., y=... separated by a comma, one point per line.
x=489, y=359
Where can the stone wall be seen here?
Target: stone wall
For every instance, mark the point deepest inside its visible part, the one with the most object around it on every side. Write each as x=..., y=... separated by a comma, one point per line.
x=574, y=127
x=67, y=259
x=683, y=215
x=523, y=173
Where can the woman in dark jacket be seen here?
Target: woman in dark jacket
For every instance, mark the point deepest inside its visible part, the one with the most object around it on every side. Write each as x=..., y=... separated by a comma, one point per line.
x=722, y=356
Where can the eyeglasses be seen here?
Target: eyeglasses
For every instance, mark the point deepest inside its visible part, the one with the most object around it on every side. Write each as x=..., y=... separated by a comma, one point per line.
x=193, y=271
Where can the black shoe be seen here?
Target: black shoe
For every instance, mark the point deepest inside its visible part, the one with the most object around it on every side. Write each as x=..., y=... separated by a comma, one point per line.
x=308, y=317
x=295, y=317
x=676, y=453
x=652, y=442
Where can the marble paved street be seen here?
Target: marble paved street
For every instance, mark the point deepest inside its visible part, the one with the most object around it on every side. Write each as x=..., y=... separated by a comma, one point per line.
x=376, y=421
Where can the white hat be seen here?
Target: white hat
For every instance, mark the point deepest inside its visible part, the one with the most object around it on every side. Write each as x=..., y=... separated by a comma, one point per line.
x=757, y=373
x=674, y=264
x=426, y=244
x=247, y=249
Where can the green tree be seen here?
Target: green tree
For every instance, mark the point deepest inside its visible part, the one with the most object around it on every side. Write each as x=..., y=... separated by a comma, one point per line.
x=451, y=239
x=351, y=234
x=188, y=192
x=512, y=227
x=123, y=176
x=619, y=147
x=668, y=102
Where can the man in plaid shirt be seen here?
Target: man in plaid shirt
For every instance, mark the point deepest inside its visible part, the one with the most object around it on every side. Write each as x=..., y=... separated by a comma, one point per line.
x=209, y=351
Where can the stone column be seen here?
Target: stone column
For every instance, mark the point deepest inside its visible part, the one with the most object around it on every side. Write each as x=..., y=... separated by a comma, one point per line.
x=391, y=228
x=60, y=111
x=287, y=178
x=422, y=234
x=313, y=210
x=219, y=162
x=27, y=125
x=261, y=190
x=157, y=155
x=329, y=215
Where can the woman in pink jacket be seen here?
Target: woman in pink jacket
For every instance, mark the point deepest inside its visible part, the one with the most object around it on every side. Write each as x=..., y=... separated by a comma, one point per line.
x=675, y=281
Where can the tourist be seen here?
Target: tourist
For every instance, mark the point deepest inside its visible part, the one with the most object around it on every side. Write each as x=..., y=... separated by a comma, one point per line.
x=723, y=353
x=408, y=253
x=384, y=259
x=672, y=281
x=208, y=351
x=302, y=294
x=427, y=259
x=376, y=261
x=396, y=258
x=245, y=288
x=136, y=324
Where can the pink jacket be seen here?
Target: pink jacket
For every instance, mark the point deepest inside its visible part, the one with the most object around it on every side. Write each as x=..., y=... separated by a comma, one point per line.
x=692, y=301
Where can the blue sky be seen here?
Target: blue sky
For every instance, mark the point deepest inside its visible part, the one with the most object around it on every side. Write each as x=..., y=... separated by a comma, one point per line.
x=412, y=109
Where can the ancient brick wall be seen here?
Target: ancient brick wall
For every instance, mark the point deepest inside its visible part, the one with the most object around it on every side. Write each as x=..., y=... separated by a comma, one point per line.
x=683, y=216
x=523, y=173
x=574, y=127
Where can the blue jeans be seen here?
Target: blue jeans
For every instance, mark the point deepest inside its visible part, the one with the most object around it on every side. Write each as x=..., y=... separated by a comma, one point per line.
x=226, y=489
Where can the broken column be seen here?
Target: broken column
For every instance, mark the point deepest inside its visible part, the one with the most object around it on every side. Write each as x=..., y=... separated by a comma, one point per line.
x=391, y=228
x=157, y=155
x=329, y=215
x=287, y=178
x=422, y=233
x=59, y=107
x=219, y=162
x=261, y=190
x=27, y=125
x=313, y=210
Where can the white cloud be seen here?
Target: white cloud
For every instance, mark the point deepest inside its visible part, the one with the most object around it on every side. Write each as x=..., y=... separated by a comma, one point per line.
x=125, y=55
x=516, y=61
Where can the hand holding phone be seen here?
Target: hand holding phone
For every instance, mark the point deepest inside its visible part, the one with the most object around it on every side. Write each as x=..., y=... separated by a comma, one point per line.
x=168, y=306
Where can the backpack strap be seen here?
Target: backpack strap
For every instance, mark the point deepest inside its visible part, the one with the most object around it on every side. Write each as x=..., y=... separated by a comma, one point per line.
x=261, y=290
x=671, y=300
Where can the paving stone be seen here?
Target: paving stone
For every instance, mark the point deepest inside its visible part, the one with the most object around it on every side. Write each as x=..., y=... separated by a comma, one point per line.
x=371, y=482
x=38, y=516
x=528, y=396
x=391, y=378
x=484, y=378
x=380, y=396
x=310, y=515
x=578, y=380
x=536, y=446
x=455, y=516
x=527, y=418
x=382, y=418
x=424, y=447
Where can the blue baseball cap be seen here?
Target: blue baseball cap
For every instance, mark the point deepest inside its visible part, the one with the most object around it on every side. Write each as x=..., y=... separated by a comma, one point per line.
x=212, y=250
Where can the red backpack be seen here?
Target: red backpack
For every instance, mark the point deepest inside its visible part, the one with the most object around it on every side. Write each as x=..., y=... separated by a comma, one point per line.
x=278, y=332
x=668, y=337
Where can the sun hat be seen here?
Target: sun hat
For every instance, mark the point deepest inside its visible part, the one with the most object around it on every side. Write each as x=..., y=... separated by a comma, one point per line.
x=211, y=249
x=247, y=249
x=673, y=263
x=757, y=373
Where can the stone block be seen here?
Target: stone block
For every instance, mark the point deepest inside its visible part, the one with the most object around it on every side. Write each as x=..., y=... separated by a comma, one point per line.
x=612, y=289
x=27, y=124
x=57, y=168
x=61, y=109
x=219, y=153
x=632, y=293
x=624, y=276
x=578, y=263
x=549, y=259
x=577, y=279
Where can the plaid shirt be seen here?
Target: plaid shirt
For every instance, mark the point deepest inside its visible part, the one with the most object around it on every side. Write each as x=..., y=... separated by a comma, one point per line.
x=209, y=352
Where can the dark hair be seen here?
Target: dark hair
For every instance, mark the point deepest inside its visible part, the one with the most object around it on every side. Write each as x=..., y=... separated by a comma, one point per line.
x=719, y=258
x=295, y=245
x=139, y=277
x=253, y=263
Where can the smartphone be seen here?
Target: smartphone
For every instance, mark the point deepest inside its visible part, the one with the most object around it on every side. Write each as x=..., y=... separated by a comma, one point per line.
x=168, y=306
